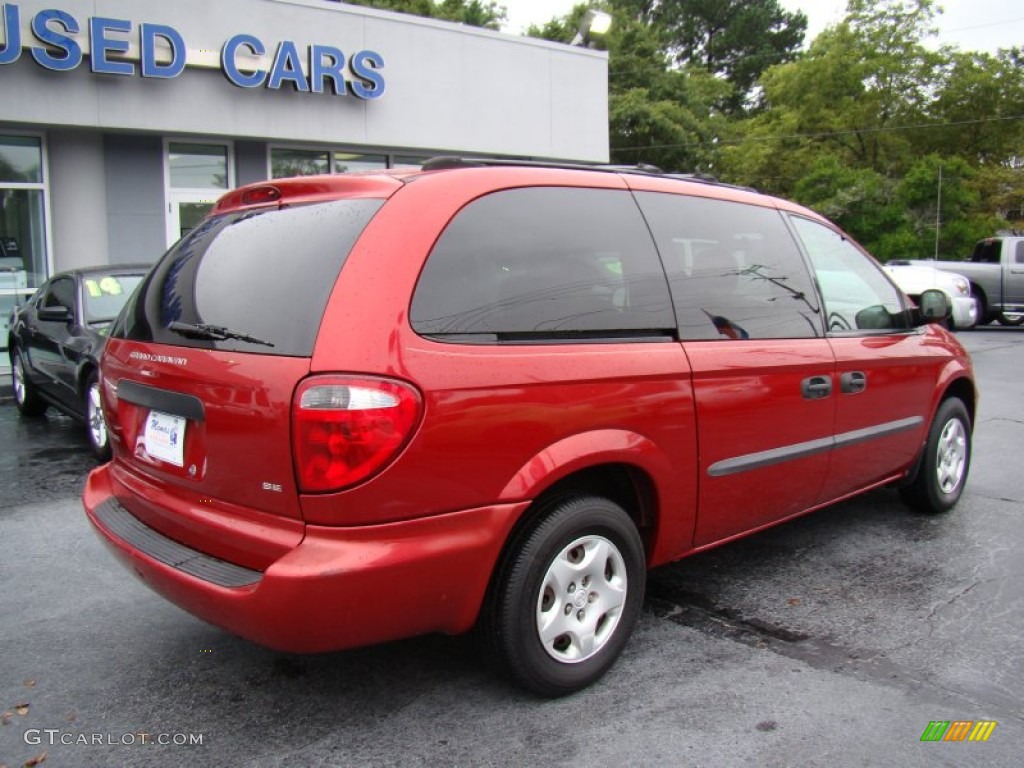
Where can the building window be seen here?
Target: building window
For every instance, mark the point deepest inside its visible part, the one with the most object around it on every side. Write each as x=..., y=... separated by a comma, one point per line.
x=291, y=161
x=23, y=257
x=298, y=162
x=198, y=166
x=408, y=161
x=347, y=162
x=197, y=174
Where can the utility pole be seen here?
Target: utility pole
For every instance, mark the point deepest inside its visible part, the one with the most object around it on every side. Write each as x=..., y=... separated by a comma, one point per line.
x=938, y=214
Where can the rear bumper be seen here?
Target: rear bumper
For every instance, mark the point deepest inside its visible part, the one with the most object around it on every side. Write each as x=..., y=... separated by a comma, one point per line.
x=339, y=588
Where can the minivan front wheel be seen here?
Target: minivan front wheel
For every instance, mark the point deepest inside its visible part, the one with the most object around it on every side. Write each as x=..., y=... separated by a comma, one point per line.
x=568, y=597
x=945, y=463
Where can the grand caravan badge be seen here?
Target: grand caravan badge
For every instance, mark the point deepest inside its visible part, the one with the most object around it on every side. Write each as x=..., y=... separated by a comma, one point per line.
x=151, y=358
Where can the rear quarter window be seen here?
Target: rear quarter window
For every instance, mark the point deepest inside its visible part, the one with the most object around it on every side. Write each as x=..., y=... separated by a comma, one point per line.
x=266, y=274
x=544, y=264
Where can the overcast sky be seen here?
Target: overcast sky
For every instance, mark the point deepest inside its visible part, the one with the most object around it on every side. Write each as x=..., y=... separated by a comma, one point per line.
x=973, y=25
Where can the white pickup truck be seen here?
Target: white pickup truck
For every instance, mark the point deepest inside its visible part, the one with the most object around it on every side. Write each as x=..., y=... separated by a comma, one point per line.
x=914, y=278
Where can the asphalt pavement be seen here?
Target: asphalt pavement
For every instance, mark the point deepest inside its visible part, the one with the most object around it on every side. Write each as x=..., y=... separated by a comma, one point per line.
x=833, y=640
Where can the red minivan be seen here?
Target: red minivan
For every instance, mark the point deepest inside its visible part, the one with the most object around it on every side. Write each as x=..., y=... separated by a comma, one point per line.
x=356, y=408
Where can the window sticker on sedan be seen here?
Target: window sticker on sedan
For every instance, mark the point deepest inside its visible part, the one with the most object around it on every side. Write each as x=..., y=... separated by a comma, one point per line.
x=165, y=438
x=106, y=286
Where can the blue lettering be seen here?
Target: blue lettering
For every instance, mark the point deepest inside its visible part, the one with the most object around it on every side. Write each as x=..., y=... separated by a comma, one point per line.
x=230, y=66
x=72, y=51
x=370, y=84
x=327, y=63
x=109, y=46
x=100, y=46
x=12, y=34
x=150, y=67
x=287, y=68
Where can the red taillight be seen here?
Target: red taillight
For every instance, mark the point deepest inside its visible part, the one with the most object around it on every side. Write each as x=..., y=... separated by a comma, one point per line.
x=345, y=430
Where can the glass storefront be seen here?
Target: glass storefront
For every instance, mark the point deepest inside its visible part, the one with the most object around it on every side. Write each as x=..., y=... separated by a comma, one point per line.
x=197, y=174
x=290, y=161
x=23, y=261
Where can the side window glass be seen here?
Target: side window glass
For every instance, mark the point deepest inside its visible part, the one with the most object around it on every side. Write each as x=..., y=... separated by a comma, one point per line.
x=734, y=269
x=857, y=295
x=544, y=264
x=61, y=293
x=1018, y=256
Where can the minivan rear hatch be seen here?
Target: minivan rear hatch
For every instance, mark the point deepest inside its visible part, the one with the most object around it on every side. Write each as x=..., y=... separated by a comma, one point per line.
x=203, y=362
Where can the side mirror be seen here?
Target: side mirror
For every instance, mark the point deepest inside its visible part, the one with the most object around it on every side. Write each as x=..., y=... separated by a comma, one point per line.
x=874, y=318
x=934, y=306
x=54, y=314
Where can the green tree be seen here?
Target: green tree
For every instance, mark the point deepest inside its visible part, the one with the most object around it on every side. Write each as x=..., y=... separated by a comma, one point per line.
x=859, y=200
x=980, y=102
x=859, y=96
x=735, y=40
x=1000, y=191
x=658, y=113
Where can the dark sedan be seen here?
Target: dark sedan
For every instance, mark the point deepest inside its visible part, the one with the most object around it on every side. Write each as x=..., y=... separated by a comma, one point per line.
x=56, y=339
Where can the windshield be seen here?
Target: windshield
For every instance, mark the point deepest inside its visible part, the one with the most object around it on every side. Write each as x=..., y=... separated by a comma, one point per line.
x=105, y=294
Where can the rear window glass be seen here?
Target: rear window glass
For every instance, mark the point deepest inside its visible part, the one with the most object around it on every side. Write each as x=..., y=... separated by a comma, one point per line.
x=544, y=264
x=259, y=278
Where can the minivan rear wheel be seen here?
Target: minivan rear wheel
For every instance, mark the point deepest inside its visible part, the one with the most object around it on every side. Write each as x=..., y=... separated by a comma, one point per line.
x=568, y=596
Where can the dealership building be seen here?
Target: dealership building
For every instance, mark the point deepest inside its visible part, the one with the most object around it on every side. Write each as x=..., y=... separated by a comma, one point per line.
x=121, y=121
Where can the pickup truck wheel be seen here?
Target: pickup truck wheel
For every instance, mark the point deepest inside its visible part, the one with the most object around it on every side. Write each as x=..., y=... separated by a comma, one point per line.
x=25, y=395
x=567, y=596
x=945, y=463
x=1010, y=321
x=984, y=317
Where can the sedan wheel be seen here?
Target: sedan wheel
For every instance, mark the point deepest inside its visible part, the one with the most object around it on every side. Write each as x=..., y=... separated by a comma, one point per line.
x=98, y=438
x=25, y=395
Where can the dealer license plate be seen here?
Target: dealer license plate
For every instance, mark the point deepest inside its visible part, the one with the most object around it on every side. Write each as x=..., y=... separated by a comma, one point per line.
x=165, y=437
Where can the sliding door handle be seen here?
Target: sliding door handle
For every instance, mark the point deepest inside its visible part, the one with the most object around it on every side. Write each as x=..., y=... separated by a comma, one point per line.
x=853, y=382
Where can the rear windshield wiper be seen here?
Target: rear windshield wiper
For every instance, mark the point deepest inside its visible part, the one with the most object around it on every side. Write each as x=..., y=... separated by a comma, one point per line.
x=213, y=332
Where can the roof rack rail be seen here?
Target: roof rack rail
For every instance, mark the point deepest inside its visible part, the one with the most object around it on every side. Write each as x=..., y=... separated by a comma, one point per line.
x=445, y=162
x=448, y=162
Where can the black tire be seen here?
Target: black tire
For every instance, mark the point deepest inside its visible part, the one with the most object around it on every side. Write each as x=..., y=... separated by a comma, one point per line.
x=984, y=316
x=945, y=463
x=26, y=398
x=96, y=427
x=580, y=567
x=1011, y=322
